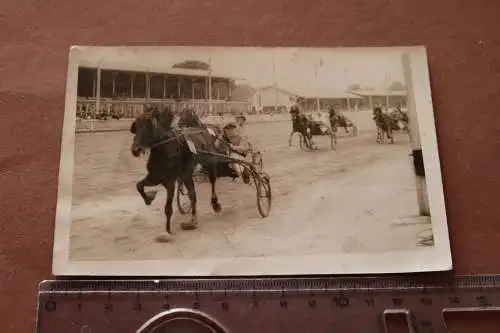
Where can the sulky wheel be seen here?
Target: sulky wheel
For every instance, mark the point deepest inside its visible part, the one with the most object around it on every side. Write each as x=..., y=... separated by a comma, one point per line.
x=263, y=186
x=183, y=202
x=354, y=130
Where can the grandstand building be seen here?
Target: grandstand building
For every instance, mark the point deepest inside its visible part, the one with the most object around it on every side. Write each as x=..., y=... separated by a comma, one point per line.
x=123, y=90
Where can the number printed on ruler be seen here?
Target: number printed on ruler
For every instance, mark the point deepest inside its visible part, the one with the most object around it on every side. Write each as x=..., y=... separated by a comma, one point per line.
x=282, y=305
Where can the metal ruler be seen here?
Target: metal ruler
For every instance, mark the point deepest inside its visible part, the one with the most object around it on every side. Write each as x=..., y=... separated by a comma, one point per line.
x=291, y=305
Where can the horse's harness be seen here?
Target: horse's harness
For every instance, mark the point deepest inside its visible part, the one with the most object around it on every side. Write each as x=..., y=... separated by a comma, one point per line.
x=176, y=137
x=299, y=121
x=178, y=134
x=156, y=128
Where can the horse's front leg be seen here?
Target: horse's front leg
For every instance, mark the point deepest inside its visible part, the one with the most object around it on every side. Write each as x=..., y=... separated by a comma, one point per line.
x=191, y=190
x=333, y=140
x=290, y=138
x=309, y=140
x=147, y=181
x=379, y=137
x=382, y=135
x=212, y=176
x=167, y=234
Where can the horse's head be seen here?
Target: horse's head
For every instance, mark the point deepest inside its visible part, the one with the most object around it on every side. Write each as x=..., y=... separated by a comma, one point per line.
x=149, y=128
x=294, y=110
x=377, y=111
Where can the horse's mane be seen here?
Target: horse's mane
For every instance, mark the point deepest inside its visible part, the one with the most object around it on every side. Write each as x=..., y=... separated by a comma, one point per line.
x=189, y=118
x=164, y=116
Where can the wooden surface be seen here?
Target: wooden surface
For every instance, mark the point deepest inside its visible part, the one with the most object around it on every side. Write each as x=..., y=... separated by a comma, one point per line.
x=463, y=42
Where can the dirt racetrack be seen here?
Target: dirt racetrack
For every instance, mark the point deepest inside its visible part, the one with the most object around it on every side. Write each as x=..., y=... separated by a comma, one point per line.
x=360, y=198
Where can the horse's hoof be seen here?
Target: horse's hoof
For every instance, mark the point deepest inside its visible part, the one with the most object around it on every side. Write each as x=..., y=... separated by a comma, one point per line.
x=150, y=196
x=189, y=225
x=164, y=237
x=217, y=207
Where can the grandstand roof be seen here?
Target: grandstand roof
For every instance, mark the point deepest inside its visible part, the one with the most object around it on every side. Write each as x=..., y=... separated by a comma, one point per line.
x=124, y=66
x=321, y=92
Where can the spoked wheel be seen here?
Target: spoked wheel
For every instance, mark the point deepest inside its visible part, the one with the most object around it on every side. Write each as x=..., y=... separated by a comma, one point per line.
x=257, y=161
x=354, y=130
x=183, y=202
x=263, y=186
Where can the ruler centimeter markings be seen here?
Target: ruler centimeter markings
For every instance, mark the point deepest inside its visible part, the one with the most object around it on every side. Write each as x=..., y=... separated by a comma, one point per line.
x=342, y=305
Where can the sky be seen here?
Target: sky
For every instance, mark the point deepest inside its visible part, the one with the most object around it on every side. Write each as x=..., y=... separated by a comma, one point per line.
x=294, y=67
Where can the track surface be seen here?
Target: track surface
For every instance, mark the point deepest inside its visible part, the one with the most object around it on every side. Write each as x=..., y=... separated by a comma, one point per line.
x=360, y=198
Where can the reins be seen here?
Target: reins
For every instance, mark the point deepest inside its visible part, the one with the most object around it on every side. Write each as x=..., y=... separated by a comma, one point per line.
x=177, y=132
x=162, y=142
x=176, y=137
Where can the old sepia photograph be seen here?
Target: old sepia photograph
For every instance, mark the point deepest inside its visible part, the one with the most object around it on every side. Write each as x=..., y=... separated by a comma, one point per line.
x=217, y=161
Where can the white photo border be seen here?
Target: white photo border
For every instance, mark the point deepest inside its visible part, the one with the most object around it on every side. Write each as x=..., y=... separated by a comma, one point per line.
x=436, y=258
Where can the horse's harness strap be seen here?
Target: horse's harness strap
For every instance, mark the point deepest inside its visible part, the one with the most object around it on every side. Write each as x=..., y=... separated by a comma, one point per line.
x=165, y=141
x=162, y=142
x=177, y=135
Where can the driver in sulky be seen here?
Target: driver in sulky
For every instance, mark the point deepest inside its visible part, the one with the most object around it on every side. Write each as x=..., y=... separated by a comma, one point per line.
x=240, y=147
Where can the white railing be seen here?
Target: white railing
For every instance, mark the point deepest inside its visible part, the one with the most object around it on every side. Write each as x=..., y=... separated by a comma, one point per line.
x=117, y=115
x=130, y=108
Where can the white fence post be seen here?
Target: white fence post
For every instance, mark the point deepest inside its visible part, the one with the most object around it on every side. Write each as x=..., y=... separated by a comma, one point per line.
x=97, y=98
x=422, y=197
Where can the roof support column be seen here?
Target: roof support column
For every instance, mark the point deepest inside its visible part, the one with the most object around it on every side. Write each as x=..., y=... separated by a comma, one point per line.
x=164, y=87
x=193, y=82
x=132, y=80
x=113, y=90
x=178, y=88
x=97, y=97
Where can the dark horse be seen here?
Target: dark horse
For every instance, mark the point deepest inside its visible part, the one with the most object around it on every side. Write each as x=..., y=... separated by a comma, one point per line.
x=300, y=124
x=385, y=125
x=173, y=156
x=189, y=119
x=339, y=120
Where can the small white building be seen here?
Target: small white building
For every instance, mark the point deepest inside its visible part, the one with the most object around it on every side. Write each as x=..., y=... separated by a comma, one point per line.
x=370, y=98
x=271, y=98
